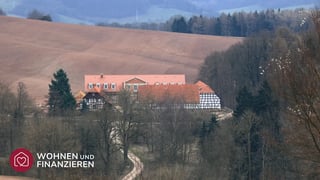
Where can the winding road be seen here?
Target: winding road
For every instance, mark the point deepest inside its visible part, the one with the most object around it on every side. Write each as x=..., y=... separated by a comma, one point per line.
x=137, y=164
x=137, y=167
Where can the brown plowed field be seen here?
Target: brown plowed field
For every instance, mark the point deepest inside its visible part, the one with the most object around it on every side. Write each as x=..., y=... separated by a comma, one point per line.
x=31, y=51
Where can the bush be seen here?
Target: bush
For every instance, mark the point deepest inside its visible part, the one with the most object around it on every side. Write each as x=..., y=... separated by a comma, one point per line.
x=35, y=14
x=2, y=13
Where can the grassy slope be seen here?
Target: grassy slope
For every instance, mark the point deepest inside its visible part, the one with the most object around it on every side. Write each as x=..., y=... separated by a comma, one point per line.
x=31, y=51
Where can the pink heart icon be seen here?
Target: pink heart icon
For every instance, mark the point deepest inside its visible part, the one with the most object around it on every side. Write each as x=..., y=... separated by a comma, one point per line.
x=21, y=161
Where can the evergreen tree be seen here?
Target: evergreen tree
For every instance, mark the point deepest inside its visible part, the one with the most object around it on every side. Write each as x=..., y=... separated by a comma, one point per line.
x=203, y=133
x=213, y=124
x=217, y=27
x=179, y=25
x=207, y=130
x=244, y=102
x=60, y=96
x=265, y=101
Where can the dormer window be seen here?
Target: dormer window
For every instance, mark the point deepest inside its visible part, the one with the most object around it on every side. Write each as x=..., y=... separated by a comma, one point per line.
x=90, y=85
x=113, y=86
x=98, y=85
x=105, y=85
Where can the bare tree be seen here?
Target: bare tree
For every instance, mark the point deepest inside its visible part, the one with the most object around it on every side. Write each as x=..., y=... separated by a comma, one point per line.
x=106, y=135
x=126, y=122
x=171, y=129
x=296, y=78
x=23, y=103
x=7, y=99
x=47, y=135
x=246, y=135
x=7, y=107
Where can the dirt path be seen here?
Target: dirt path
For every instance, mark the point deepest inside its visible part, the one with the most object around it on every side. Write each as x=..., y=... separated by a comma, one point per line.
x=226, y=113
x=137, y=167
x=137, y=164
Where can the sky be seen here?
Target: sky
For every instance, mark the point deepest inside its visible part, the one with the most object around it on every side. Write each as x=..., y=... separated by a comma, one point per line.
x=123, y=11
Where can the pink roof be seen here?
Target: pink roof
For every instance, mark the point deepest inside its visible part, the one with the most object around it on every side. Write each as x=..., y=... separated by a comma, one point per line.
x=203, y=87
x=119, y=80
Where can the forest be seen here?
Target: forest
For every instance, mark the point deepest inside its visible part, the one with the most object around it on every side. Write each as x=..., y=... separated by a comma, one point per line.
x=271, y=80
x=240, y=24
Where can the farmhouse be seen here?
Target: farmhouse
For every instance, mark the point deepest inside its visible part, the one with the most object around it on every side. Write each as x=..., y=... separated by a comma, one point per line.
x=100, y=87
x=156, y=88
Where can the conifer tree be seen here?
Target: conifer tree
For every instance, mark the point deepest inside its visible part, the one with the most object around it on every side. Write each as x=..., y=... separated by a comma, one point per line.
x=179, y=25
x=244, y=102
x=60, y=99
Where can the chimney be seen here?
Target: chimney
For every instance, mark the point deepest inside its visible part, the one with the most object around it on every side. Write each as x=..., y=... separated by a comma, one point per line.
x=101, y=75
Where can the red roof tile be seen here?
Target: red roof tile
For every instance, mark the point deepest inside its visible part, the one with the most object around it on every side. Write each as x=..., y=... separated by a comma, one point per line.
x=203, y=87
x=187, y=93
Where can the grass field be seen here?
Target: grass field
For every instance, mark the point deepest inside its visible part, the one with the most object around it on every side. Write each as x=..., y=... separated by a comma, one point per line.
x=31, y=51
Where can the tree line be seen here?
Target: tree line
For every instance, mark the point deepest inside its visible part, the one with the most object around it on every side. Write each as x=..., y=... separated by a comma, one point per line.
x=34, y=14
x=240, y=24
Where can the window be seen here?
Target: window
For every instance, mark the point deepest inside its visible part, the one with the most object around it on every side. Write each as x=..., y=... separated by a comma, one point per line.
x=98, y=85
x=113, y=86
x=135, y=88
x=90, y=85
x=128, y=86
x=105, y=85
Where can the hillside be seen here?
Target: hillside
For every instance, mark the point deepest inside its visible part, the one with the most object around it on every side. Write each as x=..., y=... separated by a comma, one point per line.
x=31, y=51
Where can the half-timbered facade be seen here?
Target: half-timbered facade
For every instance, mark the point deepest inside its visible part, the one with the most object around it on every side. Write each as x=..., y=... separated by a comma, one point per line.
x=208, y=98
x=93, y=101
